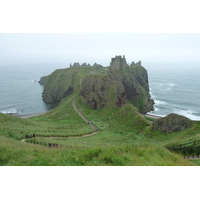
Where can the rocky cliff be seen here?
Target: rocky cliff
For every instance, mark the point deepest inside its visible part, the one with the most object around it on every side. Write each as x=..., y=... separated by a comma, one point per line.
x=62, y=83
x=99, y=91
x=42, y=79
x=135, y=82
x=100, y=87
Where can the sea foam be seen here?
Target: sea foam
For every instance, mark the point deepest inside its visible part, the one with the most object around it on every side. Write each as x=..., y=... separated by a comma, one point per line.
x=10, y=110
x=188, y=113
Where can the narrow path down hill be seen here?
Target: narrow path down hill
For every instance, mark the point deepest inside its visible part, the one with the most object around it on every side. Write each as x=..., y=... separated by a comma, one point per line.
x=82, y=116
x=87, y=121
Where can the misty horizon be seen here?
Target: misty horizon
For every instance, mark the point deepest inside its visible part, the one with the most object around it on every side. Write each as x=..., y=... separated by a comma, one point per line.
x=63, y=49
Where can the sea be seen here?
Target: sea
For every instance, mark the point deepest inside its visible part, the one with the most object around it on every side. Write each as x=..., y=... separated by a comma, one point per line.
x=173, y=86
x=21, y=94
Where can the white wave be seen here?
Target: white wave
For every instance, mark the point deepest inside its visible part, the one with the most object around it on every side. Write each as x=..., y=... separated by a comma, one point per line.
x=10, y=110
x=156, y=109
x=170, y=84
x=159, y=102
x=162, y=87
x=189, y=114
x=34, y=81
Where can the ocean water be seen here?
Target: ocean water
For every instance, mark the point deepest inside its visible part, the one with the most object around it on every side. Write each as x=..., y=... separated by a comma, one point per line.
x=174, y=88
x=20, y=92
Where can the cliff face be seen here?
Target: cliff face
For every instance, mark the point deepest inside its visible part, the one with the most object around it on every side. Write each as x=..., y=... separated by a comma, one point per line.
x=42, y=79
x=62, y=83
x=135, y=82
x=101, y=87
x=99, y=91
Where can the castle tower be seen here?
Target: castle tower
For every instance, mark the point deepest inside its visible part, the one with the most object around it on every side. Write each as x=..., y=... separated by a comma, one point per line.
x=118, y=63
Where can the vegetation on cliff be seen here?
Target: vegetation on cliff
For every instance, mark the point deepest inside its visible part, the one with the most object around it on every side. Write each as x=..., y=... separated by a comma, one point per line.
x=135, y=82
x=99, y=91
x=63, y=82
x=110, y=99
x=101, y=87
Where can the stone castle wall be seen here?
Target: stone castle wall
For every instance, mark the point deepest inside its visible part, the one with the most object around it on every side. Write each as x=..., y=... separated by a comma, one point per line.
x=118, y=63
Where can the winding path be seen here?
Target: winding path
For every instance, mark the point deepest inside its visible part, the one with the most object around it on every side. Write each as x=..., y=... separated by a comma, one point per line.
x=87, y=121
x=82, y=116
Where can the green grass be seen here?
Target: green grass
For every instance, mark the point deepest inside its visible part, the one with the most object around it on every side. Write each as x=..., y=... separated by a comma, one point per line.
x=60, y=121
x=125, y=138
x=149, y=118
x=13, y=153
x=171, y=139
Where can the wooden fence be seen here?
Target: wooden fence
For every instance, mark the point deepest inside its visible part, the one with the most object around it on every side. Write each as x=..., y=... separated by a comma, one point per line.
x=53, y=135
x=49, y=144
x=187, y=149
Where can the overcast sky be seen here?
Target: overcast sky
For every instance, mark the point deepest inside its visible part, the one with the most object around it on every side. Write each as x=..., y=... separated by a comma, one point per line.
x=62, y=49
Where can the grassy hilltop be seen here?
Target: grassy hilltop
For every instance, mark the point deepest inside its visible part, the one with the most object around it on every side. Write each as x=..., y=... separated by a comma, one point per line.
x=101, y=87
x=125, y=136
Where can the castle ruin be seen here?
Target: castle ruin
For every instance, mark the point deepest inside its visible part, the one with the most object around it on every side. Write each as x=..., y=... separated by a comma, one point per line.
x=76, y=64
x=118, y=63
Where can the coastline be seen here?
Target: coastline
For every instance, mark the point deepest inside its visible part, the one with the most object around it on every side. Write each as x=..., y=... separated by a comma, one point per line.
x=31, y=115
x=153, y=116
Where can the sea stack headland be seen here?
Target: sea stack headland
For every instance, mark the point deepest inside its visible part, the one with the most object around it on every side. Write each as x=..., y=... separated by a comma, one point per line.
x=99, y=86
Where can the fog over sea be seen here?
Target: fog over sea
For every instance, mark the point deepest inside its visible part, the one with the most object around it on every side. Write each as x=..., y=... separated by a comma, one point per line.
x=174, y=88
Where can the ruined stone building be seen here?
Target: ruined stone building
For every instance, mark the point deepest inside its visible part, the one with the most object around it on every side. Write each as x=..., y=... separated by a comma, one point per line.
x=118, y=63
x=138, y=64
x=76, y=64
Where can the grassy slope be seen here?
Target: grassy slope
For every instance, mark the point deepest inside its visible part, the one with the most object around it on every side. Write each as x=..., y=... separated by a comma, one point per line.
x=60, y=80
x=119, y=143
x=176, y=138
x=124, y=138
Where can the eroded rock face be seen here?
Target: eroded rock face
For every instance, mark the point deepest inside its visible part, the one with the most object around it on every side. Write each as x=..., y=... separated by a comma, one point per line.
x=42, y=79
x=60, y=84
x=101, y=86
x=99, y=91
x=135, y=82
x=171, y=123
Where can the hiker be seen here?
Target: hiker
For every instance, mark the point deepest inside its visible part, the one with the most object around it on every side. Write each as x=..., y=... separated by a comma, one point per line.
x=97, y=130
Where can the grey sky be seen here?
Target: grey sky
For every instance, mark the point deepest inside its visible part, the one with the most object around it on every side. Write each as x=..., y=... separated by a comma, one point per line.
x=61, y=49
